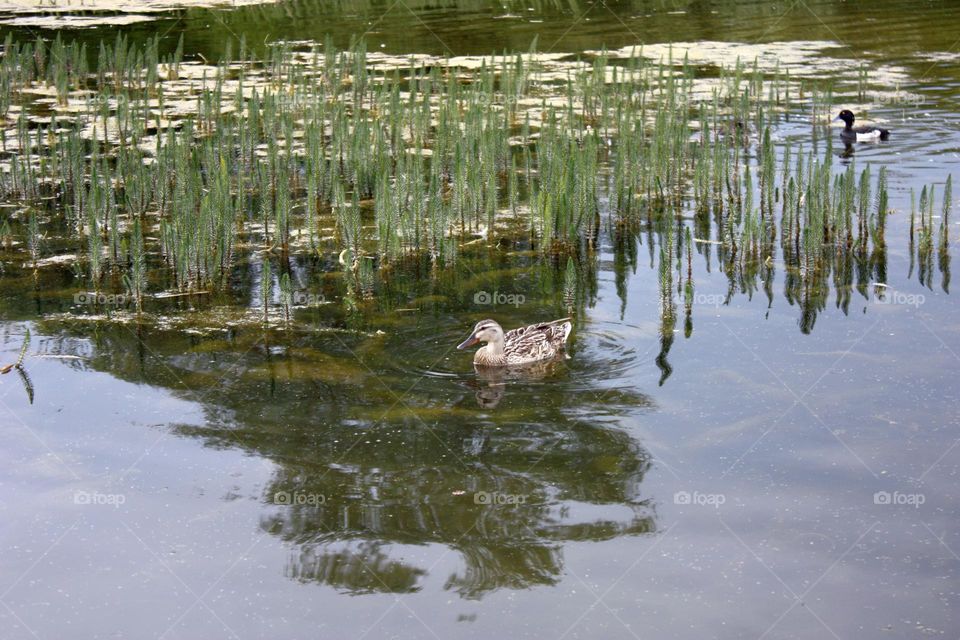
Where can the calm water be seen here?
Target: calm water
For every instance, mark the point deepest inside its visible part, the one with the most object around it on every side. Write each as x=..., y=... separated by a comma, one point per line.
x=772, y=469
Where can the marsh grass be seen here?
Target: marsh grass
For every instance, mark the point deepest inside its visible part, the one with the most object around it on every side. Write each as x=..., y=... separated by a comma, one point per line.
x=926, y=235
x=322, y=151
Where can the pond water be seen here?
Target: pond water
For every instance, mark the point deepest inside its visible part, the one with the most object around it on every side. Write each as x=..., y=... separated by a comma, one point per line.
x=772, y=465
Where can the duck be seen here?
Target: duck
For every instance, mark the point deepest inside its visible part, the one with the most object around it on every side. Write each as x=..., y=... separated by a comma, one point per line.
x=524, y=345
x=859, y=134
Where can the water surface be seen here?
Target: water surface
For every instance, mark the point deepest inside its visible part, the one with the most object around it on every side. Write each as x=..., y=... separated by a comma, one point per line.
x=775, y=468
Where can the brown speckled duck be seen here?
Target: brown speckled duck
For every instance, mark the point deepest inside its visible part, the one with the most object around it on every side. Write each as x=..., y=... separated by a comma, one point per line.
x=520, y=346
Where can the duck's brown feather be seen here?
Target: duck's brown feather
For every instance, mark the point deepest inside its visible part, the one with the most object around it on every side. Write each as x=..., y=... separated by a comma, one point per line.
x=536, y=341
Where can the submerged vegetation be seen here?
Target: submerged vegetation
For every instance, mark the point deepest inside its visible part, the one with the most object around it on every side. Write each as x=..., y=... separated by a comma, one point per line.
x=160, y=176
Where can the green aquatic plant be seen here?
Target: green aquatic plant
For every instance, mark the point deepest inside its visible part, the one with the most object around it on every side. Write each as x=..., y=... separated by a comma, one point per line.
x=136, y=277
x=33, y=234
x=286, y=295
x=94, y=250
x=570, y=285
x=319, y=151
x=266, y=287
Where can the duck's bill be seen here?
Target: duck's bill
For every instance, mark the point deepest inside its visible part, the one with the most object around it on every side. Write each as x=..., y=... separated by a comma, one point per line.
x=469, y=342
x=837, y=119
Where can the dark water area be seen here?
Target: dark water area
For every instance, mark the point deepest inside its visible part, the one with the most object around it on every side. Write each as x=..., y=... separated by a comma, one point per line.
x=773, y=461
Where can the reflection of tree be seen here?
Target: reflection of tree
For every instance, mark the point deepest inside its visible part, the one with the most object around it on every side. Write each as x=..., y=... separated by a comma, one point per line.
x=399, y=453
x=409, y=483
x=518, y=567
x=364, y=569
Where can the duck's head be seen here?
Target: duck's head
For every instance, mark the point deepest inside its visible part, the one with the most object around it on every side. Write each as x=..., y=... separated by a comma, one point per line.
x=484, y=331
x=846, y=116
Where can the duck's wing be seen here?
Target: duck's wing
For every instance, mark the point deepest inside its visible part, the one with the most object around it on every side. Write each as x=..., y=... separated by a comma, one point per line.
x=866, y=134
x=871, y=130
x=537, y=341
x=558, y=329
x=528, y=346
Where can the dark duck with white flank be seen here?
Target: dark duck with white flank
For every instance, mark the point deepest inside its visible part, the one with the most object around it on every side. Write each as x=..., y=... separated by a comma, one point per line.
x=524, y=345
x=859, y=134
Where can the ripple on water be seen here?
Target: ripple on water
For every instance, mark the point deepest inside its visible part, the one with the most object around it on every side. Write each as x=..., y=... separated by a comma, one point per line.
x=609, y=354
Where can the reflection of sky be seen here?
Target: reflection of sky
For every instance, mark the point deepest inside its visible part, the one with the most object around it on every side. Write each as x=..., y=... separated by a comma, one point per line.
x=797, y=433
